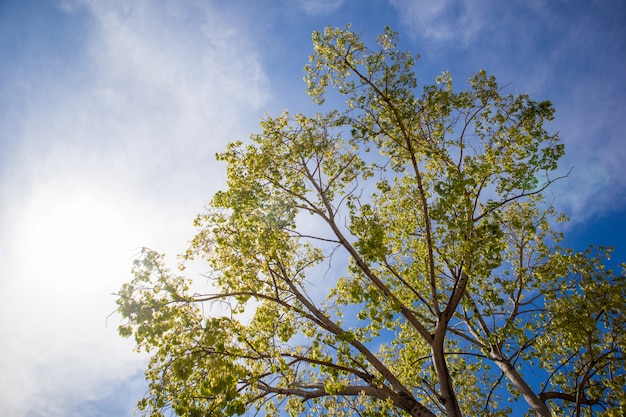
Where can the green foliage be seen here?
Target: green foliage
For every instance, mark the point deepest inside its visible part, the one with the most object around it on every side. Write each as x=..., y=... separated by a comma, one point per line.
x=421, y=279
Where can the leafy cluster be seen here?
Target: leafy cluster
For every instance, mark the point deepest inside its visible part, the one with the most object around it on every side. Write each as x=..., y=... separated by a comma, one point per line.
x=393, y=258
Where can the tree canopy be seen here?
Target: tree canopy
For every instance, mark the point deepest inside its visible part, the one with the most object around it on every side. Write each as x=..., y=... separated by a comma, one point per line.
x=394, y=257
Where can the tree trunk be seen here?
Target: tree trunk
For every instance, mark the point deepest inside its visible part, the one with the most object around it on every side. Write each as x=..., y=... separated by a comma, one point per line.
x=533, y=400
x=448, y=397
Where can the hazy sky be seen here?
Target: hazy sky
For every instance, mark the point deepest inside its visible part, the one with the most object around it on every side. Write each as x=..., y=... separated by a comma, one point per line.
x=111, y=112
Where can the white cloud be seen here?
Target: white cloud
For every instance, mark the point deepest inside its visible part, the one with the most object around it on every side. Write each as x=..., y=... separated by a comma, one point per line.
x=589, y=122
x=67, y=243
x=318, y=7
x=443, y=20
x=120, y=157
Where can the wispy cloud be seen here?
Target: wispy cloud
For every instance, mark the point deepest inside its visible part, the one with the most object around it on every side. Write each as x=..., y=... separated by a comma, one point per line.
x=443, y=21
x=317, y=7
x=119, y=155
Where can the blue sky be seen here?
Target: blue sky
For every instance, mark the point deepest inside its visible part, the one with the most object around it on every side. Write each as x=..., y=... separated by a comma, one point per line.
x=112, y=111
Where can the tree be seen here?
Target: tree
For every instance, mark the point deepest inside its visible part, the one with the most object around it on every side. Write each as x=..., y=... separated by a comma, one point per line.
x=397, y=257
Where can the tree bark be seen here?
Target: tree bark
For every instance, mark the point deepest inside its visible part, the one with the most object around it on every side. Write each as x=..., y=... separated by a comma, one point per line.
x=533, y=400
x=413, y=407
x=448, y=396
